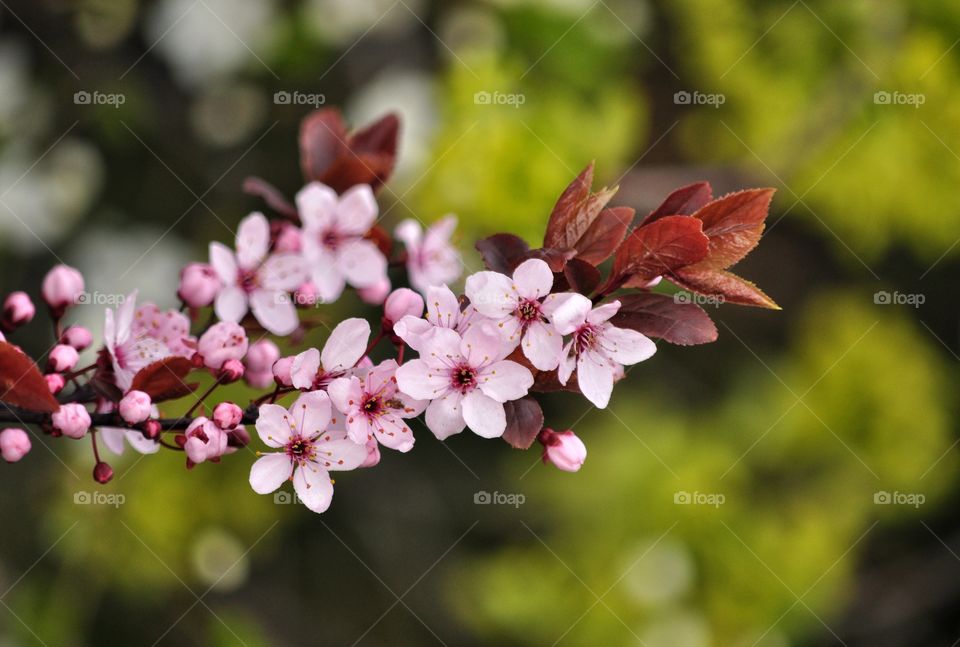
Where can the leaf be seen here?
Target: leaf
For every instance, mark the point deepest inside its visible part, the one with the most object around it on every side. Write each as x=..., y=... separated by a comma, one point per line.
x=605, y=234
x=502, y=252
x=21, y=383
x=524, y=422
x=380, y=137
x=163, y=379
x=581, y=276
x=661, y=316
x=555, y=258
x=575, y=211
x=658, y=248
x=682, y=202
x=718, y=283
x=734, y=224
x=323, y=141
x=271, y=195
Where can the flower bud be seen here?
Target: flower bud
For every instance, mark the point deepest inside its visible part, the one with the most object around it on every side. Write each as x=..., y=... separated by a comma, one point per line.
x=306, y=295
x=281, y=371
x=152, y=429
x=199, y=285
x=71, y=420
x=203, y=441
x=563, y=449
x=227, y=415
x=55, y=382
x=259, y=379
x=261, y=355
x=222, y=342
x=231, y=371
x=18, y=310
x=14, y=444
x=62, y=358
x=376, y=293
x=400, y=303
x=135, y=407
x=62, y=287
x=288, y=238
x=102, y=473
x=78, y=337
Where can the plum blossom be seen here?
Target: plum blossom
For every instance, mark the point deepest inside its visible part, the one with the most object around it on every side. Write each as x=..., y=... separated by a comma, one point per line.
x=333, y=239
x=223, y=342
x=375, y=408
x=135, y=407
x=443, y=311
x=598, y=350
x=14, y=444
x=308, y=450
x=205, y=441
x=62, y=287
x=113, y=437
x=71, y=420
x=431, y=259
x=313, y=369
x=466, y=379
x=255, y=280
x=563, y=449
x=18, y=310
x=516, y=306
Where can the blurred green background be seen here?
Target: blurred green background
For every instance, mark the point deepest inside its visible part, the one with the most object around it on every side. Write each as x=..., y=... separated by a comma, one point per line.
x=824, y=435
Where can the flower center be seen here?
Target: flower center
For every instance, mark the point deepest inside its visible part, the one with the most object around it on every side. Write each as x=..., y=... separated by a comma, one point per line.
x=300, y=449
x=373, y=405
x=247, y=280
x=586, y=337
x=463, y=378
x=330, y=239
x=528, y=311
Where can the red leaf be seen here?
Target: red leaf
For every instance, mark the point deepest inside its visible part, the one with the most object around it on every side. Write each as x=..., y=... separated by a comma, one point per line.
x=380, y=137
x=555, y=258
x=502, y=252
x=580, y=277
x=718, y=283
x=682, y=202
x=524, y=422
x=661, y=316
x=575, y=211
x=163, y=379
x=658, y=248
x=323, y=140
x=604, y=235
x=733, y=224
x=21, y=383
x=271, y=195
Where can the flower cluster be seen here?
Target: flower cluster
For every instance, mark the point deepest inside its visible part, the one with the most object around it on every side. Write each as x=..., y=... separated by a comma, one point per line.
x=536, y=320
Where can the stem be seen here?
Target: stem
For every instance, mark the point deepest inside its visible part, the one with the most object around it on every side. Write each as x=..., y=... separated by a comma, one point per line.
x=204, y=396
x=96, y=452
x=16, y=416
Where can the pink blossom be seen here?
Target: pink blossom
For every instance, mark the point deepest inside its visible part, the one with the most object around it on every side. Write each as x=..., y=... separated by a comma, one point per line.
x=205, y=441
x=516, y=306
x=598, y=349
x=443, y=311
x=401, y=303
x=564, y=449
x=227, y=415
x=253, y=280
x=78, y=337
x=62, y=287
x=18, y=310
x=288, y=238
x=431, y=259
x=259, y=361
x=308, y=450
x=375, y=408
x=71, y=420
x=231, y=371
x=313, y=369
x=333, y=238
x=55, y=382
x=135, y=407
x=199, y=285
x=282, y=369
x=14, y=444
x=142, y=442
x=376, y=293
x=62, y=358
x=467, y=381
x=222, y=342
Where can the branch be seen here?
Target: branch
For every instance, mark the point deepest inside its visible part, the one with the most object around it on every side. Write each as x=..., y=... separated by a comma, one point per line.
x=14, y=415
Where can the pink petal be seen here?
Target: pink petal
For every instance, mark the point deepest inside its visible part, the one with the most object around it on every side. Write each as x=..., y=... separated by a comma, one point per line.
x=601, y=313
x=310, y=413
x=505, y=380
x=413, y=330
x=533, y=278
x=326, y=276
x=439, y=232
x=394, y=433
x=542, y=345
x=284, y=271
x=410, y=232
x=568, y=362
x=419, y=380
x=269, y=472
x=441, y=348
x=595, y=377
x=341, y=454
x=316, y=204
x=346, y=345
x=444, y=415
x=112, y=437
x=567, y=311
x=273, y=425
x=253, y=239
x=483, y=345
x=140, y=443
x=443, y=308
x=304, y=369
x=345, y=393
x=626, y=346
x=492, y=294
x=357, y=210
x=275, y=311
x=231, y=304
x=359, y=429
x=361, y=263
x=484, y=415
x=313, y=487
x=224, y=263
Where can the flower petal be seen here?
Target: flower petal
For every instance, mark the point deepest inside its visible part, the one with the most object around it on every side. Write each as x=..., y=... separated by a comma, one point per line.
x=443, y=308
x=361, y=263
x=253, y=240
x=567, y=311
x=141, y=443
x=484, y=415
x=231, y=304
x=326, y=276
x=445, y=416
x=422, y=381
x=492, y=294
x=595, y=377
x=346, y=345
x=357, y=210
x=313, y=486
x=568, y=362
x=505, y=380
x=340, y=454
x=224, y=263
x=602, y=313
x=542, y=346
x=483, y=345
x=112, y=438
x=269, y=472
x=533, y=279
x=413, y=331
x=273, y=425
x=345, y=393
x=310, y=413
x=275, y=311
x=285, y=271
x=626, y=346
x=304, y=369
x=316, y=204
x=394, y=433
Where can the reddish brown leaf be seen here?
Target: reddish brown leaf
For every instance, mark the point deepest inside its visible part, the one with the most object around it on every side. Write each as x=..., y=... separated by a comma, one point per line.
x=580, y=276
x=723, y=285
x=163, y=379
x=575, y=211
x=323, y=140
x=661, y=316
x=271, y=195
x=21, y=383
x=555, y=258
x=524, y=422
x=733, y=224
x=658, y=248
x=604, y=235
x=329, y=155
x=380, y=137
x=381, y=239
x=502, y=252
x=682, y=202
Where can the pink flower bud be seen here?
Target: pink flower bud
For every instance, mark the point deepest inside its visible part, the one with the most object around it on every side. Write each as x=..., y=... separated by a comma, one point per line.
x=152, y=429
x=288, y=238
x=62, y=358
x=204, y=441
x=18, y=309
x=71, y=420
x=199, y=285
x=62, y=287
x=222, y=342
x=306, y=295
x=261, y=355
x=400, y=303
x=373, y=453
x=376, y=293
x=227, y=415
x=135, y=407
x=259, y=379
x=78, y=337
x=231, y=371
x=102, y=473
x=14, y=444
x=55, y=382
x=281, y=371
x=563, y=449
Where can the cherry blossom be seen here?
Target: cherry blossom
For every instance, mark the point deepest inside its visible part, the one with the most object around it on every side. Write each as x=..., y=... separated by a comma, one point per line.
x=18, y=310
x=135, y=407
x=223, y=342
x=431, y=259
x=466, y=379
x=308, y=450
x=313, y=369
x=515, y=304
x=333, y=239
x=204, y=441
x=443, y=311
x=14, y=444
x=71, y=420
x=563, y=449
x=598, y=349
x=255, y=280
x=113, y=437
x=62, y=287
x=375, y=408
